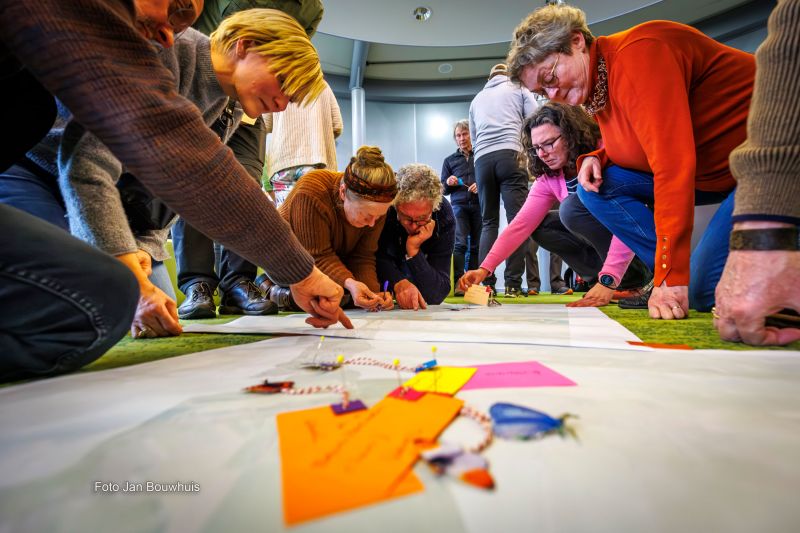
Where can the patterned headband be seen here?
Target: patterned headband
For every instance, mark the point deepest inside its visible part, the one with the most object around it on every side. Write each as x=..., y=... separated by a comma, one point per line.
x=374, y=193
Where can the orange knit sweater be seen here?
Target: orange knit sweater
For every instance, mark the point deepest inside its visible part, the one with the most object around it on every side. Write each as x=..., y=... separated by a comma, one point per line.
x=677, y=106
x=316, y=214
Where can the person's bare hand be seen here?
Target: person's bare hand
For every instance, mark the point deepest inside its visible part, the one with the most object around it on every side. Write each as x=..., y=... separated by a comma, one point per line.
x=472, y=277
x=473, y=188
x=408, y=296
x=597, y=296
x=156, y=313
x=590, y=176
x=320, y=297
x=452, y=181
x=362, y=296
x=748, y=292
x=414, y=242
x=669, y=303
x=145, y=261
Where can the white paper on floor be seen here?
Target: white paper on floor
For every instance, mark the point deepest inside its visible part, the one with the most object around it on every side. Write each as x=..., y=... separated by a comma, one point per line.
x=553, y=325
x=669, y=441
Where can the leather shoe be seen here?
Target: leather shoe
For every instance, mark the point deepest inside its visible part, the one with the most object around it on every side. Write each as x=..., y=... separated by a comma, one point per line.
x=244, y=298
x=199, y=302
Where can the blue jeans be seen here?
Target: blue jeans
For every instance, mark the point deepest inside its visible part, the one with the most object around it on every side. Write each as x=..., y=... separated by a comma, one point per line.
x=468, y=234
x=64, y=303
x=622, y=207
x=33, y=193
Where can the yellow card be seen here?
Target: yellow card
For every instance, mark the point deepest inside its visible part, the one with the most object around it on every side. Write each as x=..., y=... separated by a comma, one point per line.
x=477, y=294
x=442, y=379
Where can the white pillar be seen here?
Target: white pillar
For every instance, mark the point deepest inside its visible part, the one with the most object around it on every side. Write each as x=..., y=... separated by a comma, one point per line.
x=357, y=102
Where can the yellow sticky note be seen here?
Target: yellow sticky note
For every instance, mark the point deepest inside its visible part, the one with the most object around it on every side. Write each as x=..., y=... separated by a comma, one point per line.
x=442, y=379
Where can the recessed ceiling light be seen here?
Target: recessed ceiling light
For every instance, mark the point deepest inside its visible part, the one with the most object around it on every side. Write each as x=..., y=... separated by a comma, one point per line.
x=422, y=13
x=445, y=68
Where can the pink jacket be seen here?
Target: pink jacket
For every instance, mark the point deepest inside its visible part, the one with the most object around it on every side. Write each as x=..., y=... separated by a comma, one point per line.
x=544, y=191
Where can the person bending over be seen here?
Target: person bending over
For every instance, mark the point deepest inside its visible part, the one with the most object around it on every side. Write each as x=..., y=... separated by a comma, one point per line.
x=552, y=138
x=338, y=216
x=416, y=245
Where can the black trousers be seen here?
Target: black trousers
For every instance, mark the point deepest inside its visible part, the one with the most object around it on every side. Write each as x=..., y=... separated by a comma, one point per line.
x=194, y=252
x=499, y=175
x=64, y=302
x=582, y=241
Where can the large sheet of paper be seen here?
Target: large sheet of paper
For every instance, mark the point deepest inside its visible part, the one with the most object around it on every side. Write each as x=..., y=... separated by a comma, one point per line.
x=554, y=325
x=670, y=441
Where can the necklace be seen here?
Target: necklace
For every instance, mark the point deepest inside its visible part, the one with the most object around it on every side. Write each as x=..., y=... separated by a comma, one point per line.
x=597, y=102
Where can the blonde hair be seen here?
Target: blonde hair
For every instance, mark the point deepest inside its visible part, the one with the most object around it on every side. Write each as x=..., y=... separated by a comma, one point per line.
x=544, y=32
x=279, y=38
x=369, y=165
x=418, y=182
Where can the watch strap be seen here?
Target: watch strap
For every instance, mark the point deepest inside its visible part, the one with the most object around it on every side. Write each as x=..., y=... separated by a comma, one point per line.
x=787, y=239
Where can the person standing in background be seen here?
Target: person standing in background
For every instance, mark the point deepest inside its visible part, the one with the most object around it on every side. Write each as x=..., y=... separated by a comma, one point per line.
x=303, y=138
x=458, y=179
x=495, y=122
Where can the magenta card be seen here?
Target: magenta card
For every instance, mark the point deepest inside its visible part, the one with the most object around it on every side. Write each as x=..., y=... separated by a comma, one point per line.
x=519, y=375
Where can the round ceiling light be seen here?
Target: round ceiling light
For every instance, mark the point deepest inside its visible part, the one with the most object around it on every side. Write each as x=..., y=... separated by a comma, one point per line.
x=445, y=68
x=422, y=13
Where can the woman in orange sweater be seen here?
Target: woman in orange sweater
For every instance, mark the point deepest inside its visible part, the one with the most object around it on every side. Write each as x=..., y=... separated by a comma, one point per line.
x=338, y=217
x=671, y=104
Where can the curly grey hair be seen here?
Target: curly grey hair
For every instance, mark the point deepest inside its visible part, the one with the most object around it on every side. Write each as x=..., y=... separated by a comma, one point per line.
x=416, y=181
x=544, y=32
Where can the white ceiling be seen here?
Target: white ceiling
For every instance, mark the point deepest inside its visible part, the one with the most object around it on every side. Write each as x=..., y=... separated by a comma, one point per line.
x=468, y=35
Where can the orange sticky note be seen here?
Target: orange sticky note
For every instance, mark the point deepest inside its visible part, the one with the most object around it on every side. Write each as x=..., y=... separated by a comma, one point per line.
x=334, y=463
x=661, y=345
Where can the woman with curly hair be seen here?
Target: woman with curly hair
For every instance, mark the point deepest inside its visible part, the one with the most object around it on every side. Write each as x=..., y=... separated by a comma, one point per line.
x=416, y=246
x=552, y=138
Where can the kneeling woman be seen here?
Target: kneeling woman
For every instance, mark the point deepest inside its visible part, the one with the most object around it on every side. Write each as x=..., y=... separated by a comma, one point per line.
x=338, y=218
x=553, y=137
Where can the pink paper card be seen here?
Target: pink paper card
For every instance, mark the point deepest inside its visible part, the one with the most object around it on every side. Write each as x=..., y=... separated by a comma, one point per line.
x=516, y=375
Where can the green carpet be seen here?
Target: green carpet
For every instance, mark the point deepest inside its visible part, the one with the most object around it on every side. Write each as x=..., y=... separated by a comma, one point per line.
x=696, y=331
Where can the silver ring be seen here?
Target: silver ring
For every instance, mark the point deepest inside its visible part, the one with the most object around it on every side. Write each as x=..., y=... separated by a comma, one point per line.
x=676, y=306
x=143, y=333
x=714, y=313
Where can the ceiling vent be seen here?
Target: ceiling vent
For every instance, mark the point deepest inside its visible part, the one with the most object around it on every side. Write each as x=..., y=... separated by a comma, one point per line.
x=422, y=13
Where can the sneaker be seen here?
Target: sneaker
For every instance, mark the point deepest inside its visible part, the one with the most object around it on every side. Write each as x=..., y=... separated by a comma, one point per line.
x=512, y=292
x=245, y=299
x=562, y=291
x=199, y=302
x=530, y=292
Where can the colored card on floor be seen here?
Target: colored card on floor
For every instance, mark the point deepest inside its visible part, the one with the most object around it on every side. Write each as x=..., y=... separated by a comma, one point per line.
x=442, y=379
x=661, y=345
x=335, y=463
x=509, y=375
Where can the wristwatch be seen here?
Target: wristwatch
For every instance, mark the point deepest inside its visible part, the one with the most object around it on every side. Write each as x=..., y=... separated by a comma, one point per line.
x=607, y=280
x=787, y=239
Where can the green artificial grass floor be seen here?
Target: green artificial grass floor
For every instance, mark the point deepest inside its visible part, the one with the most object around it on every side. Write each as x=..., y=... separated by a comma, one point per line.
x=696, y=331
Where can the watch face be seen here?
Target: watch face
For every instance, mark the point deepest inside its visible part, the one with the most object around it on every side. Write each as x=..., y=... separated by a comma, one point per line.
x=607, y=281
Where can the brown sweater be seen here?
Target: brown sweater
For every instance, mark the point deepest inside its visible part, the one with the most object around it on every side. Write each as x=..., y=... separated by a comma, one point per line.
x=767, y=165
x=316, y=214
x=88, y=54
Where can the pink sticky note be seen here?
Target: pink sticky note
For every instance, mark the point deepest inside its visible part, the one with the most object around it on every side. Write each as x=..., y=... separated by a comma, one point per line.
x=519, y=375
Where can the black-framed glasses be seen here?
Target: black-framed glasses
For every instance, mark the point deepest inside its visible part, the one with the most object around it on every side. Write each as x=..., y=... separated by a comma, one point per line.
x=546, y=146
x=419, y=221
x=550, y=81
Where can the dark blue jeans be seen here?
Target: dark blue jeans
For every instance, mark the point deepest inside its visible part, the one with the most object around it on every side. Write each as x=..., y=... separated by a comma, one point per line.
x=64, y=302
x=622, y=206
x=33, y=193
x=499, y=175
x=468, y=234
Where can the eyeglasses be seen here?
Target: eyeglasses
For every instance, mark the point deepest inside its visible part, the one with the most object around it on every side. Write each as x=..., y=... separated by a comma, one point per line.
x=547, y=147
x=550, y=81
x=421, y=221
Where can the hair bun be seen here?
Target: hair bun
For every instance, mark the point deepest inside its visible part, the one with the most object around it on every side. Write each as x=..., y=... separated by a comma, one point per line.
x=368, y=156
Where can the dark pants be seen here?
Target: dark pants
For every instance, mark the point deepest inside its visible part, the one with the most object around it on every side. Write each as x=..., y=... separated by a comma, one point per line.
x=35, y=194
x=194, y=252
x=580, y=240
x=468, y=236
x=499, y=175
x=622, y=205
x=64, y=303
x=532, y=268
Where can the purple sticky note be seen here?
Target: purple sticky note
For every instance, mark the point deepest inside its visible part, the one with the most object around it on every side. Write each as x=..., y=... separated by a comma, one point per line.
x=355, y=405
x=516, y=375
x=408, y=394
